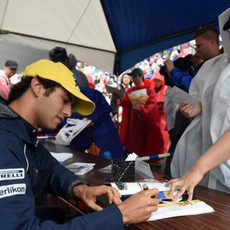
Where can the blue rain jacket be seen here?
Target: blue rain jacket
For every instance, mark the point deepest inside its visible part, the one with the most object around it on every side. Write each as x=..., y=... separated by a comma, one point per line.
x=26, y=168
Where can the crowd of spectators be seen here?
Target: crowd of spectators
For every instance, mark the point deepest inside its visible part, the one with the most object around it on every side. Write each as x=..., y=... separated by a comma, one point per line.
x=98, y=78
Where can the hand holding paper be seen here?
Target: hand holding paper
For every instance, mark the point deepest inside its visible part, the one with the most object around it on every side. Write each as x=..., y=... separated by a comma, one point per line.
x=190, y=110
x=139, y=97
x=142, y=99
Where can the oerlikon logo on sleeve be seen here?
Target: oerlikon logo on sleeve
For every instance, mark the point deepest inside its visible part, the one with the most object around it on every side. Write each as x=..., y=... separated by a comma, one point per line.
x=12, y=190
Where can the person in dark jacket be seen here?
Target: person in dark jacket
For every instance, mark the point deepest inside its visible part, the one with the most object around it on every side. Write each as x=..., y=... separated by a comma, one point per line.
x=59, y=54
x=46, y=95
x=124, y=86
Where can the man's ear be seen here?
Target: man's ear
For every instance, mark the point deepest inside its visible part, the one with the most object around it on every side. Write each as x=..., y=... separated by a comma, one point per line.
x=36, y=87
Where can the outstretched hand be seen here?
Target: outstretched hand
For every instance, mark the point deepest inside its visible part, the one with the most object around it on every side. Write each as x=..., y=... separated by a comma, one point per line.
x=89, y=195
x=185, y=183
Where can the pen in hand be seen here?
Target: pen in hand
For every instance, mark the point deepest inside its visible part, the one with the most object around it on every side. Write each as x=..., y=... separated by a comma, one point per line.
x=145, y=187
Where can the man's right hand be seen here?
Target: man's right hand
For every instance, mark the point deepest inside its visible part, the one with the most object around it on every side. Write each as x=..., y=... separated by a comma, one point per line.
x=142, y=99
x=190, y=110
x=139, y=207
x=169, y=66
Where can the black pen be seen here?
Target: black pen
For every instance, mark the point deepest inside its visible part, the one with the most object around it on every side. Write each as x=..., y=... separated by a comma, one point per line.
x=167, y=200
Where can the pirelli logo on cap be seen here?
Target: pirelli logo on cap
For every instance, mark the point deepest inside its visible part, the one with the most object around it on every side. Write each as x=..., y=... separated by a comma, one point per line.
x=12, y=190
x=12, y=174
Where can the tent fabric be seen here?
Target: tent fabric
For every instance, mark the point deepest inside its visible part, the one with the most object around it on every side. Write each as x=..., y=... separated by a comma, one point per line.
x=113, y=35
x=100, y=58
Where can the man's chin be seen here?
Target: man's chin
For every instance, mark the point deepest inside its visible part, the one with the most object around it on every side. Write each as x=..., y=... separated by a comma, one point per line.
x=50, y=127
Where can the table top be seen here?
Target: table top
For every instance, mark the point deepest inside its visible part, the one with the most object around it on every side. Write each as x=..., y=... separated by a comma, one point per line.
x=218, y=200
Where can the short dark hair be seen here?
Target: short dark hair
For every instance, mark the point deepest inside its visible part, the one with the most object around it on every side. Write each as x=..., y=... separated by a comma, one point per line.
x=207, y=32
x=58, y=54
x=21, y=87
x=11, y=64
x=72, y=62
x=137, y=72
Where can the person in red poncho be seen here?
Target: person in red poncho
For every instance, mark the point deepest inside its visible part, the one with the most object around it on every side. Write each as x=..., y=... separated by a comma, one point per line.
x=140, y=130
x=160, y=89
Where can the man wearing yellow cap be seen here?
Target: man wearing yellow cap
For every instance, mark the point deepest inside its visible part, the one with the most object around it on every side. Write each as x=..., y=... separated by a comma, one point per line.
x=46, y=95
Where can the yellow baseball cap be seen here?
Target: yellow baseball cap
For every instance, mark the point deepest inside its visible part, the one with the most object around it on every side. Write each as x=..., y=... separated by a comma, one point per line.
x=59, y=73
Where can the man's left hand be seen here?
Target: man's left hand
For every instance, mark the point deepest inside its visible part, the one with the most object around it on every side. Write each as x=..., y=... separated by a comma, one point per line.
x=89, y=195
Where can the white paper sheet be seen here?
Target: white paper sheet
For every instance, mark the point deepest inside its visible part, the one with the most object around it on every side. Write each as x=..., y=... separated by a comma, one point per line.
x=139, y=92
x=80, y=168
x=135, y=187
x=61, y=156
x=179, y=96
x=182, y=208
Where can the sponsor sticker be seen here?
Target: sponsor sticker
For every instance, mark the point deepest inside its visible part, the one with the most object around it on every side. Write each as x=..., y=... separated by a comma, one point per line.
x=12, y=174
x=12, y=190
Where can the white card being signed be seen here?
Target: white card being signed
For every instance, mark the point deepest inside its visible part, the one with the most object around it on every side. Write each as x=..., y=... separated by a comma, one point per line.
x=139, y=92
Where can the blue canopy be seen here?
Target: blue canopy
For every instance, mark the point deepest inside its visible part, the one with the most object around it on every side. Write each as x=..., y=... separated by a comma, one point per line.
x=141, y=28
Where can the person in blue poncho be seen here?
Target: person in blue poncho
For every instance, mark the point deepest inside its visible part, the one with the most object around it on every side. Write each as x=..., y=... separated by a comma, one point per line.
x=103, y=132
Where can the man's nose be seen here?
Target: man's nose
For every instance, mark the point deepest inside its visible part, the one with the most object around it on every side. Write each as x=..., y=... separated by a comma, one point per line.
x=67, y=110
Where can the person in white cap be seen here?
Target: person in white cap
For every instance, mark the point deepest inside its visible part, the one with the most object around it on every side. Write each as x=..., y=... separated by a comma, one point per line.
x=9, y=69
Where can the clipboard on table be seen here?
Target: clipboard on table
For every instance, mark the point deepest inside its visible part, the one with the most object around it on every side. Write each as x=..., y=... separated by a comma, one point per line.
x=118, y=92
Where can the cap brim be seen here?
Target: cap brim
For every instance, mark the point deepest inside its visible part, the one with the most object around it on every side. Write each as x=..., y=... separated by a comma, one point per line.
x=83, y=104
